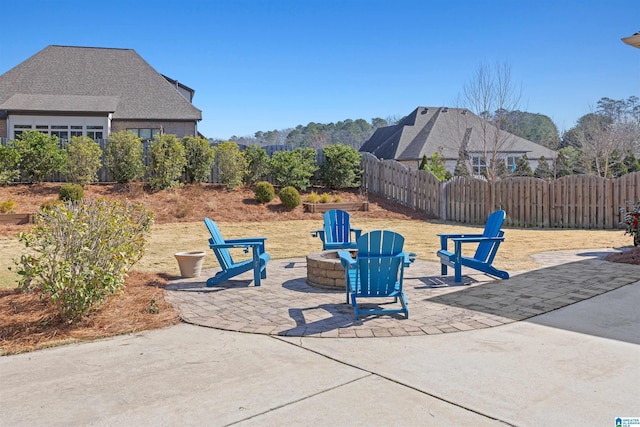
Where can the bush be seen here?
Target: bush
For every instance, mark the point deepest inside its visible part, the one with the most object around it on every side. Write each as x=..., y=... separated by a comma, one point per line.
x=79, y=253
x=290, y=197
x=341, y=166
x=166, y=161
x=257, y=162
x=40, y=155
x=230, y=164
x=123, y=156
x=199, y=155
x=294, y=168
x=313, y=197
x=9, y=164
x=71, y=193
x=325, y=198
x=84, y=158
x=264, y=192
x=8, y=206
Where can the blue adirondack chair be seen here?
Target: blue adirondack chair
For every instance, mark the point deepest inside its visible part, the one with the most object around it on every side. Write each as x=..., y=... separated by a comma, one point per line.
x=337, y=231
x=220, y=247
x=488, y=243
x=376, y=272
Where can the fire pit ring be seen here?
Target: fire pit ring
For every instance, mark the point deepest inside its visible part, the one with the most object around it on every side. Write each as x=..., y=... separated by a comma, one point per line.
x=325, y=271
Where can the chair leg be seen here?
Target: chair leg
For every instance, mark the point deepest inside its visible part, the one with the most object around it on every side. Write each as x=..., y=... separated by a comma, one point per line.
x=458, y=273
x=443, y=269
x=256, y=276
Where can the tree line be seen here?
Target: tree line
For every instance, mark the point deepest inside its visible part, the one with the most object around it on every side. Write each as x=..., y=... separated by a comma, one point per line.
x=604, y=142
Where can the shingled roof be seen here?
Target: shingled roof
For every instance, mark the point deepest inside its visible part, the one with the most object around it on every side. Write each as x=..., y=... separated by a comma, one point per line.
x=87, y=79
x=431, y=129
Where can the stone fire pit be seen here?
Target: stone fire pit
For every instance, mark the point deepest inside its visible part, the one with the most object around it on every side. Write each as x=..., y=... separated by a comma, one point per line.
x=325, y=271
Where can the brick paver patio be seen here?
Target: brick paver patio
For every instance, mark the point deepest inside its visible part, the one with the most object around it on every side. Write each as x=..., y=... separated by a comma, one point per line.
x=286, y=305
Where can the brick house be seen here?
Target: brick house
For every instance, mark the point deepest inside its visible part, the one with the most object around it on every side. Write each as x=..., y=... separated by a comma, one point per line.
x=84, y=91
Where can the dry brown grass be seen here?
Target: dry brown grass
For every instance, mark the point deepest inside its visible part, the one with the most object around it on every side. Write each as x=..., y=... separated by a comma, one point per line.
x=26, y=323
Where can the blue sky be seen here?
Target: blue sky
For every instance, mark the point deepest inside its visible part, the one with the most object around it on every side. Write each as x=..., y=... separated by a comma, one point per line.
x=274, y=64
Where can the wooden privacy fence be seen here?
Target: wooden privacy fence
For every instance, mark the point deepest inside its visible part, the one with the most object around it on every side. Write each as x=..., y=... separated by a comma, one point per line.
x=574, y=201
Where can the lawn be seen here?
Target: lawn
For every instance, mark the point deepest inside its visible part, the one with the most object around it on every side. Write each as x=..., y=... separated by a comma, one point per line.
x=292, y=239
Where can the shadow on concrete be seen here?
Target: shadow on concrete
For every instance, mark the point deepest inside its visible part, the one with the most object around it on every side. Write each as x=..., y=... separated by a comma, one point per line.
x=529, y=295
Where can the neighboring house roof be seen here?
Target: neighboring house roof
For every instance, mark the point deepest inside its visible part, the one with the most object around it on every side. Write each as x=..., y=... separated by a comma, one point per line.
x=431, y=129
x=77, y=103
x=87, y=79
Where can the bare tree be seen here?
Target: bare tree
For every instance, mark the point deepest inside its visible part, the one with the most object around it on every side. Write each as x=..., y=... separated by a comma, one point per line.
x=605, y=141
x=490, y=95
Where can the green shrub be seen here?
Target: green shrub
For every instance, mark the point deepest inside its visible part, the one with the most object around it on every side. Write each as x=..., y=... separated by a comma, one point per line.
x=325, y=198
x=294, y=168
x=257, y=161
x=123, y=156
x=71, y=193
x=199, y=155
x=40, y=155
x=341, y=166
x=230, y=164
x=9, y=164
x=84, y=158
x=166, y=161
x=290, y=197
x=79, y=253
x=264, y=192
x=8, y=206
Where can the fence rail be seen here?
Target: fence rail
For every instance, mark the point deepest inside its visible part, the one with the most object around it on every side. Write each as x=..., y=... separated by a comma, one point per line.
x=574, y=201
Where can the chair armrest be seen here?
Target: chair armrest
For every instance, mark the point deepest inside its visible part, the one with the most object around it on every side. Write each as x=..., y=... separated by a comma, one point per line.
x=445, y=237
x=477, y=239
x=318, y=233
x=248, y=241
x=409, y=257
x=241, y=244
x=345, y=259
x=234, y=245
x=453, y=236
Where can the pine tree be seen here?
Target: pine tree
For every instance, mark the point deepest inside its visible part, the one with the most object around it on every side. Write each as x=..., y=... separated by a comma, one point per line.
x=501, y=169
x=543, y=170
x=522, y=167
x=461, y=166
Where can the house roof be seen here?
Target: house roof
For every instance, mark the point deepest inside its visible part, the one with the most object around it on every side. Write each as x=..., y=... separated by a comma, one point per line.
x=76, y=103
x=72, y=79
x=431, y=129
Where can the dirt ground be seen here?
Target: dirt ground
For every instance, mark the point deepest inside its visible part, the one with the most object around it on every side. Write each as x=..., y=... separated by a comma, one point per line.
x=28, y=323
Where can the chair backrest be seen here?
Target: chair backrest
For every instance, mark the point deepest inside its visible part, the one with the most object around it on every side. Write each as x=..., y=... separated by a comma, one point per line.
x=223, y=255
x=337, y=226
x=486, y=250
x=380, y=262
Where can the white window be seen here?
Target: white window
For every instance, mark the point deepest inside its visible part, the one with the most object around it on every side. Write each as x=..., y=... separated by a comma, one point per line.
x=478, y=165
x=64, y=127
x=146, y=134
x=95, y=132
x=511, y=163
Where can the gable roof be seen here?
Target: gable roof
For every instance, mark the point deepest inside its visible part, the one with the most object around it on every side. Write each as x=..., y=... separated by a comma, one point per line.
x=72, y=79
x=430, y=129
